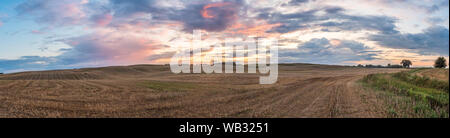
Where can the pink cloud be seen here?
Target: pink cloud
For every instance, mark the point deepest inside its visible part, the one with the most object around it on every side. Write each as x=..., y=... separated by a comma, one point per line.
x=103, y=20
x=111, y=48
x=54, y=12
x=206, y=13
x=37, y=32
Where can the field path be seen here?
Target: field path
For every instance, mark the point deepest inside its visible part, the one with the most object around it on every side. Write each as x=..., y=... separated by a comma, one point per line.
x=343, y=97
x=316, y=97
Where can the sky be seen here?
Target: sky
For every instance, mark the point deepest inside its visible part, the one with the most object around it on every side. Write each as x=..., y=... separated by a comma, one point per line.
x=66, y=34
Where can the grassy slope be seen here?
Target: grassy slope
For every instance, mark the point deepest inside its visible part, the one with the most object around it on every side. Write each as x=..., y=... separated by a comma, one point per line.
x=410, y=95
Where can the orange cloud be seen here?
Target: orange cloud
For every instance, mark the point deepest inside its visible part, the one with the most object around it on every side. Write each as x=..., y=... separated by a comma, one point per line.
x=259, y=29
x=105, y=20
x=37, y=32
x=335, y=42
x=206, y=14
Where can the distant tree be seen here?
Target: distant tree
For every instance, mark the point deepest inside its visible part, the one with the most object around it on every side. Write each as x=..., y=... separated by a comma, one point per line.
x=440, y=63
x=359, y=65
x=369, y=66
x=389, y=65
x=406, y=63
x=396, y=66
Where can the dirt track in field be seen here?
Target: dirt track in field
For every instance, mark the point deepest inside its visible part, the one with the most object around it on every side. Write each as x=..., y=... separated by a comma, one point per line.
x=302, y=90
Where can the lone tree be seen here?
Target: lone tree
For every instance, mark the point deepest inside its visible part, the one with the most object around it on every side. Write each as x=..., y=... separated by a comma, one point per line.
x=406, y=63
x=440, y=62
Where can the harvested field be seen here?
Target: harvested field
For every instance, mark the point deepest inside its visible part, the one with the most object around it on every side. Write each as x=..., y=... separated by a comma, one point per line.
x=302, y=90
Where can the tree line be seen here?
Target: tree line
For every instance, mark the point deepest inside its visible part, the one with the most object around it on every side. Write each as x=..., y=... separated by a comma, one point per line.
x=440, y=62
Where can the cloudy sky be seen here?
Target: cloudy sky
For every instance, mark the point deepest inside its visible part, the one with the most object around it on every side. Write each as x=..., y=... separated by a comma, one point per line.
x=62, y=34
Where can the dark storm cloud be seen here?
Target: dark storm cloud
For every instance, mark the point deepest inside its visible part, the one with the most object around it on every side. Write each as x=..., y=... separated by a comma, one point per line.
x=218, y=17
x=436, y=7
x=294, y=21
x=291, y=22
x=434, y=40
x=76, y=12
x=296, y=2
x=383, y=24
x=130, y=7
x=222, y=13
x=53, y=12
x=323, y=52
x=333, y=10
x=56, y=13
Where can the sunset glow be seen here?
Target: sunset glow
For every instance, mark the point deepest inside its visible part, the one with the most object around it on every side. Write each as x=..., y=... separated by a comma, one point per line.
x=205, y=12
x=90, y=33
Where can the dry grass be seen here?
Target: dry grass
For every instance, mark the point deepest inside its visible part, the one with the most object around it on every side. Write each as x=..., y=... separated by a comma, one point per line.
x=413, y=93
x=440, y=74
x=302, y=90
